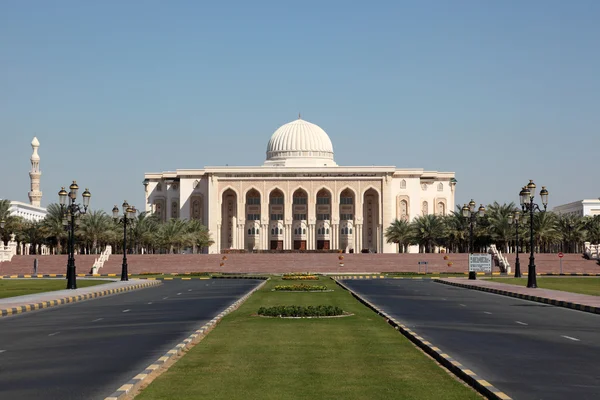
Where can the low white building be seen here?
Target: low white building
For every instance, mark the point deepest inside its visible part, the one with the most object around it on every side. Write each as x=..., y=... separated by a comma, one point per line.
x=299, y=199
x=581, y=208
x=27, y=211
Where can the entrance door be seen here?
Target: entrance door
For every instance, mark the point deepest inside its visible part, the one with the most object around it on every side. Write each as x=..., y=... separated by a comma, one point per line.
x=322, y=244
x=276, y=244
x=299, y=244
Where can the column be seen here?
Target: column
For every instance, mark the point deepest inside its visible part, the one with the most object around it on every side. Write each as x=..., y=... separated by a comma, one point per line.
x=335, y=236
x=287, y=237
x=358, y=238
x=218, y=238
x=311, y=245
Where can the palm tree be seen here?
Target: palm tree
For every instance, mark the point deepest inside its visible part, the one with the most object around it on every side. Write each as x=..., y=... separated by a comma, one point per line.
x=571, y=230
x=94, y=226
x=457, y=228
x=399, y=232
x=197, y=235
x=592, y=228
x=428, y=231
x=544, y=228
x=500, y=231
x=35, y=234
x=172, y=234
x=55, y=230
x=143, y=231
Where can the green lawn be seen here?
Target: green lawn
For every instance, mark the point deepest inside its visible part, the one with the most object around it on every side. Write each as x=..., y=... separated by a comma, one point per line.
x=356, y=357
x=567, y=284
x=19, y=287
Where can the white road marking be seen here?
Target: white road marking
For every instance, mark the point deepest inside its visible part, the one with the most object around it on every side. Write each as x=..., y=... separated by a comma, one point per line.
x=443, y=298
x=164, y=298
x=462, y=305
x=98, y=319
x=521, y=323
x=149, y=302
x=55, y=333
x=570, y=338
x=487, y=312
x=126, y=310
x=2, y=351
x=178, y=294
x=189, y=290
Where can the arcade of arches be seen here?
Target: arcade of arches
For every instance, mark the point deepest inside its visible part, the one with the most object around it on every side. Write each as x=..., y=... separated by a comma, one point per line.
x=324, y=220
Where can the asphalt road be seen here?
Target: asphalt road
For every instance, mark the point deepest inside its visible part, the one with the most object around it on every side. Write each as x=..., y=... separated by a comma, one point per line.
x=528, y=350
x=87, y=350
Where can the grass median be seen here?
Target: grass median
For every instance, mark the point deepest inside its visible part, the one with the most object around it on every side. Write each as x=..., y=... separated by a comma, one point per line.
x=20, y=287
x=582, y=285
x=355, y=357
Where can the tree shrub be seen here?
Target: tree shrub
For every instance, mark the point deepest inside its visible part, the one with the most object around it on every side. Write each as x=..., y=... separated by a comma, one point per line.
x=300, y=287
x=300, y=311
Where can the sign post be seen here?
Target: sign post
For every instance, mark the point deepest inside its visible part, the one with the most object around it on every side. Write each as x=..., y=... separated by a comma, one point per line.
x=423, y=263
x=479, y=263
x=560, y=256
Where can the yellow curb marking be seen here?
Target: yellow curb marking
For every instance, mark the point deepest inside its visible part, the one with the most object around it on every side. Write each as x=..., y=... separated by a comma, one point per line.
x=469, y=372
x=483, y=382
x=127, y=387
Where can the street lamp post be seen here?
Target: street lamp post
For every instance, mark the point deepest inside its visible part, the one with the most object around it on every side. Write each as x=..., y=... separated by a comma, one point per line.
x=515, y=219
x=70, y=211
x=527, y=205
x=471, y=214
x=129, y=213
x=2, y=224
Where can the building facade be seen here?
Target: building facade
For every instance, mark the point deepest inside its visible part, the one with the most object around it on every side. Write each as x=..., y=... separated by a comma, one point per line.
x=581, y=208
x=299, y=199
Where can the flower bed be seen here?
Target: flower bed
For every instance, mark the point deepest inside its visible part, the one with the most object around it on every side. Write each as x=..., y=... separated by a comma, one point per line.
x=300, y=288
x=300, y=278
x=300, y=311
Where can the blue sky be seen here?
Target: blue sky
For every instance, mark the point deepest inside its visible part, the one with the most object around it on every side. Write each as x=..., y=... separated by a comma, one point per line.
x=499, y=91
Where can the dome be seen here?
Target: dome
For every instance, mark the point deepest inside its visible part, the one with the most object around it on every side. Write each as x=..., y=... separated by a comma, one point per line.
x=300, y=143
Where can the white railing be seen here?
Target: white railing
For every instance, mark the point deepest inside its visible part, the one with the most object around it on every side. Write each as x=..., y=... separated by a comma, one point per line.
x=7, y=252
x=591, y=251
x=99, y=262
x=500, y=260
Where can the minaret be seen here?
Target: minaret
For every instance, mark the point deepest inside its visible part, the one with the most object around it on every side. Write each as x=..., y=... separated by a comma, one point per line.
x=35, y=196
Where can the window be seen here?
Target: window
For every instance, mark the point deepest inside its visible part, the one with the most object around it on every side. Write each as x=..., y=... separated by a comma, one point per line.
x=249, y=231
x=327, y=231
x=253, y=200
x=440, y=187
x=322, y=217
x=253, y=217
x=300, y=200
x=300, y=217
x=281, y=231
x=346, y=200
x=346, y=217
x=272, y=231
x=403, y=184
x=276, y=200
x=351, y=231
x=304, y=231
x=295, y=231
x=323, y=200
x=276, y=217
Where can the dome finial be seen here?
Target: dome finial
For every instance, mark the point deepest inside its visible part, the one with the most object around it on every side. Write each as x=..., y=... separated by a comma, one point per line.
x=299, y=116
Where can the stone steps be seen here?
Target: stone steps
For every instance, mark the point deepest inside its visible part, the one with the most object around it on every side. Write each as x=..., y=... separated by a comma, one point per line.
x=280, y=263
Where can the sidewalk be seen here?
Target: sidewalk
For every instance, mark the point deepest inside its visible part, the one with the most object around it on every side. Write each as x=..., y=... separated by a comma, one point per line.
x=581, y=302
x=30, y=302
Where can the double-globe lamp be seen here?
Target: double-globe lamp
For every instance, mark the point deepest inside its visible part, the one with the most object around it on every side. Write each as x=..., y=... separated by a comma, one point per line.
x=527, y=205
x=129, y=213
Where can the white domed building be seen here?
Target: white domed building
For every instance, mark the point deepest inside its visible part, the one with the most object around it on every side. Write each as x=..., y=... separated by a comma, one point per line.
x=299, y=199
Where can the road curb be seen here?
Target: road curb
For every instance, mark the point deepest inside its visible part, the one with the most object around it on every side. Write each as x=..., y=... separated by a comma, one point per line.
x=6, y=312
x=545, y=300
x=159, y=366
x=481, y=385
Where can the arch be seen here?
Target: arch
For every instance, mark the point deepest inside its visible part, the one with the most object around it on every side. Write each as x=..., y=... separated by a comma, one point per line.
x=276, y=188
x=229, y=216
x=371, y=187
x=354, y=193
x=425, y=208
x=226, y=188
x=251, y=188
x=174, y=209
x=372, y=212
x=252, y=194
x=321, y=189
x=299, y=187
x=441, y=208
x=403, y=184
x=197, y=207
x=440, y=187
